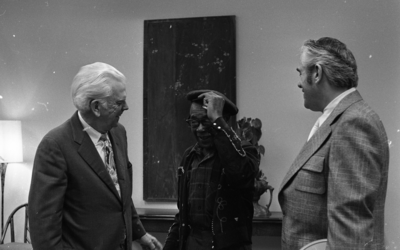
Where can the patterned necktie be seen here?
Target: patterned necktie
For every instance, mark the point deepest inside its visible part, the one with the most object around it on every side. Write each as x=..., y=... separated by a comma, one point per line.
x=109, y=160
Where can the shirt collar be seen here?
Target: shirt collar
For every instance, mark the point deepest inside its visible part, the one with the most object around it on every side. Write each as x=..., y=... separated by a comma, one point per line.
x=332, y=105
x=197, y=149
x=93, y=134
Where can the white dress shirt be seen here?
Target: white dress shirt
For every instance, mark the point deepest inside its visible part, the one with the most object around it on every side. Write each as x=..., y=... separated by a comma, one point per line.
x=328, y=110
x=94, y=136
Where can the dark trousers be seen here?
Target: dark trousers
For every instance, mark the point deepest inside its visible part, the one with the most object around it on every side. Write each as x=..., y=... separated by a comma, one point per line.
x=203, y=240
x=122, y=245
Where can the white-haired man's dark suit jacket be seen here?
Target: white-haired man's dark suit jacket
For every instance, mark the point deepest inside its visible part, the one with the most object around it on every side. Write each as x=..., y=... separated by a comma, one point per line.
x=336, y=187
x=73, y=203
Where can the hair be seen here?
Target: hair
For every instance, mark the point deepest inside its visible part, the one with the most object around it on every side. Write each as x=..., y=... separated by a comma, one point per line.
x=94, y=81
x=336, y=60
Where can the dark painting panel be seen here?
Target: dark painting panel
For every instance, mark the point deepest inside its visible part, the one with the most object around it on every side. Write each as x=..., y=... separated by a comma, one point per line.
x=180, y=55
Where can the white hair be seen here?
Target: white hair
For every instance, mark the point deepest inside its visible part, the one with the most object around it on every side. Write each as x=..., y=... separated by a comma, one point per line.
x=94, y=81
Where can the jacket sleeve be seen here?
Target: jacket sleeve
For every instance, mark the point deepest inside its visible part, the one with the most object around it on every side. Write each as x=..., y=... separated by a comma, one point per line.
x=172, y=241
x=357, y=165
x=137, y=227
x=46, y=196
x=240, y=159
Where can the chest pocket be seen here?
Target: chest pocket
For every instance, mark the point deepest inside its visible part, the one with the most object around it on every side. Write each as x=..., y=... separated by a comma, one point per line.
x=311, y=177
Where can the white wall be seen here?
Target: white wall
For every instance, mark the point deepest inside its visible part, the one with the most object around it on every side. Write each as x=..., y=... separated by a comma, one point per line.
x=43, y=43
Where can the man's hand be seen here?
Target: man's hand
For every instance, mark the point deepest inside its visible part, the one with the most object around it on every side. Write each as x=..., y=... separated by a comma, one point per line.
x=151, y=242
x=214, y=105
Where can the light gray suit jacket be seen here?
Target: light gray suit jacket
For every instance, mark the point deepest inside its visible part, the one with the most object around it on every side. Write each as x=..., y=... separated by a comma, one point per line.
x=336, y=187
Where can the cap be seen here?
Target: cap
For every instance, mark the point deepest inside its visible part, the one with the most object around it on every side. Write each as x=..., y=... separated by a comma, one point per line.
x=229, y=107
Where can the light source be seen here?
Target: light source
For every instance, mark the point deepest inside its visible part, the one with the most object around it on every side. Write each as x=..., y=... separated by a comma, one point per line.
x=10, y=151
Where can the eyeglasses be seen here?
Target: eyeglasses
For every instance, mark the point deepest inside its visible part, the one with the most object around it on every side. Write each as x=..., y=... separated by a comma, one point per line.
x=193, y=123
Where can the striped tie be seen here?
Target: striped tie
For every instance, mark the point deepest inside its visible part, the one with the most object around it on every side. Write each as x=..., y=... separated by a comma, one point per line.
x=109, y=160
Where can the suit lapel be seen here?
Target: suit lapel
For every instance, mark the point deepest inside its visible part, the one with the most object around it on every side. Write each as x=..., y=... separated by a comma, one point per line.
x=89, y=153
x=307, y=151
x=320, y=136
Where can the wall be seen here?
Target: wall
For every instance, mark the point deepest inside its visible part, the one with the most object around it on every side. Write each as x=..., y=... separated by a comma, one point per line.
x=43, y=43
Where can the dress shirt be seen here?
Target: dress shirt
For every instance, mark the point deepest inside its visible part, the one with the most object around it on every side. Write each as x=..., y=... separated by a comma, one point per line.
x=202, y=188
x=328, y=110
x=94, y=136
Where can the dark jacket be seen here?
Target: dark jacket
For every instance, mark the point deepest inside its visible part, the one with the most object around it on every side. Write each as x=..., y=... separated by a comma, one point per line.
x=233, y=209
x=73, y=203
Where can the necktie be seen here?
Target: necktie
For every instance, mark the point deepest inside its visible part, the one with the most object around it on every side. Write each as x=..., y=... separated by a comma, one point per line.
x=109, y=160
x=314, y=129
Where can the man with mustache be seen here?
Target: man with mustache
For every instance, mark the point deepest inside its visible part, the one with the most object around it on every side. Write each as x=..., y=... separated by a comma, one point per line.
x=215, y=181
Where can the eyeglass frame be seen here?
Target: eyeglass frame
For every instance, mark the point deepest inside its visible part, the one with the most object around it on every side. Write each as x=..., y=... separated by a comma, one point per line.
x=189, y=122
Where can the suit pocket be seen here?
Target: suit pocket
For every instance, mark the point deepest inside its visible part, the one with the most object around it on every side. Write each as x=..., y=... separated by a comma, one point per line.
x=311, y=178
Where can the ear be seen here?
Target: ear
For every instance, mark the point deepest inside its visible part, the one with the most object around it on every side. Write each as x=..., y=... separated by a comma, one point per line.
x=95, y=107
x=318, y=73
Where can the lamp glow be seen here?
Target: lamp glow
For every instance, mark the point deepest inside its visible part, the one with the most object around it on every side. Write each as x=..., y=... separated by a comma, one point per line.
x=10, y=152
x=10, y=141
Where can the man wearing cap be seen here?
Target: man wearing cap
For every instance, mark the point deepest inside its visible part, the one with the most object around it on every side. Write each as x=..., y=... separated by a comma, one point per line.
x=215, y=181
